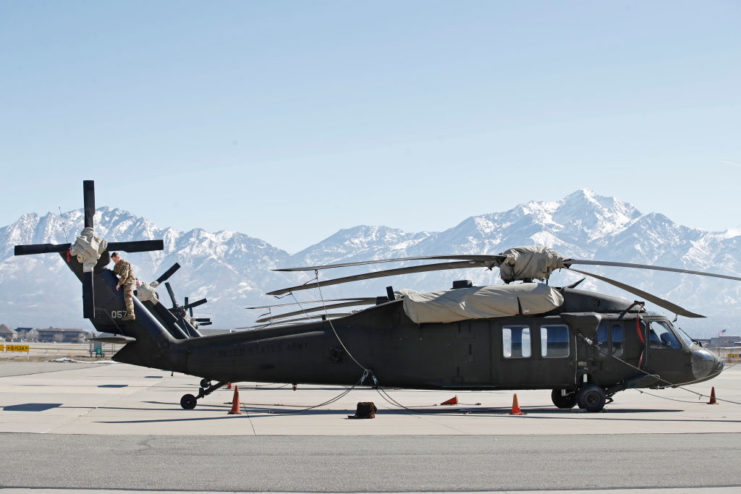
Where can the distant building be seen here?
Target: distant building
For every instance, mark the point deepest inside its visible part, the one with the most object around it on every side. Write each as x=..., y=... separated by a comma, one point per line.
x=57, y=335
x=27, y=334
x=6, y=333
x=724, y=341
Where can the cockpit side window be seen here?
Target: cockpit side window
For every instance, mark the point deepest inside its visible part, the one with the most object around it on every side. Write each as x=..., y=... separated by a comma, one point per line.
x=660, y=335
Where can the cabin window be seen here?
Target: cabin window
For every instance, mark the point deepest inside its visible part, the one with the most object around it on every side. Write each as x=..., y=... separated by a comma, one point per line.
x=660, y=336
x=610, y=334
x=617, y=340
x=603, y=339
x=554, y=341
x=516, y=341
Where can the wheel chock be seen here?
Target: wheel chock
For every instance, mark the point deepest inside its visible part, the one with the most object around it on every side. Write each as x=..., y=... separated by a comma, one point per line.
x=364, y=410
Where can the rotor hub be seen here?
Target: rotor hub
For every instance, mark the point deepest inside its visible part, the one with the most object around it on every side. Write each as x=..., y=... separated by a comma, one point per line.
x=88, y=248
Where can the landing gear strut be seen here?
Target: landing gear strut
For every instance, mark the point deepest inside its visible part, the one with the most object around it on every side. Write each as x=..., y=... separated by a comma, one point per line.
x=189, y=402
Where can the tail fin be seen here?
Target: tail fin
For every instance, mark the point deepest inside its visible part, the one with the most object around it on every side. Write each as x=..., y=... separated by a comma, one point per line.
x=152, y=346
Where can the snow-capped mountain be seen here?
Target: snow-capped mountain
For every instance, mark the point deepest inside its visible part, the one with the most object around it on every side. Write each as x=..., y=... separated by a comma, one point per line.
x=230, y=269
x=233, y=270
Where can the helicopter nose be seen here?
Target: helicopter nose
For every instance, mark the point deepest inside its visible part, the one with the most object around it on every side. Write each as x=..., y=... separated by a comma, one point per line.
x=705, y=365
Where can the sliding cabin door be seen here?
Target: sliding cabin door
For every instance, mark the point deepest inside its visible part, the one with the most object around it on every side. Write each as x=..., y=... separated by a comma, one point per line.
x=532, y=354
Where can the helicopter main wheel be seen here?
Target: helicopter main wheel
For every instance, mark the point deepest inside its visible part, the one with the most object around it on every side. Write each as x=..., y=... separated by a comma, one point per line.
x=205, y=383
x=561, y=401
x=188, y=402
x=591, y=398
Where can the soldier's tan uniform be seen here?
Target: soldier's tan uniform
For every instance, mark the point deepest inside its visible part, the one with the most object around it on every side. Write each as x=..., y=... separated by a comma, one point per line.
x=127, y=280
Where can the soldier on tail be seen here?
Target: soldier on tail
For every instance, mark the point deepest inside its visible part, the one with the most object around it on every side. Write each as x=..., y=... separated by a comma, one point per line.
x=127, y=280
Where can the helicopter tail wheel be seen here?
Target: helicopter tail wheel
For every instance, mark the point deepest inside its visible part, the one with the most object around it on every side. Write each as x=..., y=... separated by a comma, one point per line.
x=591, y=398
x=563, y=400
x=188, y=402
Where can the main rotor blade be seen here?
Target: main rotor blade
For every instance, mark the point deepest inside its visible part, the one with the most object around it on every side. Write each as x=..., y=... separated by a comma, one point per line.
x=381, y=274
x=495, y=259
x=370, y=300
x=166, y=275
x=88, y=295
x=310, y=318
x=172, y=295
x=88, y=197
x=313, y=309
x=25, y=250
x=680, y=311
x=569, y=262
x=137, y=246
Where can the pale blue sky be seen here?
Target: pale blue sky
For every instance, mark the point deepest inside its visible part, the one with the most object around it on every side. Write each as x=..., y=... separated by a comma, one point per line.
x=291, y=120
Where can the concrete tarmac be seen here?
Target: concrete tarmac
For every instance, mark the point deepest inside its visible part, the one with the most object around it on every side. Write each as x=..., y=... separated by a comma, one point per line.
x=114, y=426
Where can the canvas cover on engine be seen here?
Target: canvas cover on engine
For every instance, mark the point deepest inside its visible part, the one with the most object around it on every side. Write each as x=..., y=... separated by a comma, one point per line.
x=479, y=302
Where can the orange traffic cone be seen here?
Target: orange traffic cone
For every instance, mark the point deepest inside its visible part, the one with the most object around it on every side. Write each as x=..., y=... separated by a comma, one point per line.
x=712, y=397
x=452, y=401
x=228, y=385
x=516, y=407
x=235, y=403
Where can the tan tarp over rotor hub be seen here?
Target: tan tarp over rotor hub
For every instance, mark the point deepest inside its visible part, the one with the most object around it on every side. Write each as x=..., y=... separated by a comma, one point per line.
x=529, y=263
x=480, y=302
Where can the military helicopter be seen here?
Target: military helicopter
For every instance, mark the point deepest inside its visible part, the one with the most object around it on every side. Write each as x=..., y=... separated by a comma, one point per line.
x=583, y=346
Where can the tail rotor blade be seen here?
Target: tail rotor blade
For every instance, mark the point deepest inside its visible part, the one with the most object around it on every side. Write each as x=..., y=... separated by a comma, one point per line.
x=88, y=295
x=137, y=246
x=166, y=275
x=88, y=194
x=172, y=295
x=196, y=303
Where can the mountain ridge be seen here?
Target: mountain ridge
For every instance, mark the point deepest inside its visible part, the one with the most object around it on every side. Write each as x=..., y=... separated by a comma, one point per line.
x=232, y=269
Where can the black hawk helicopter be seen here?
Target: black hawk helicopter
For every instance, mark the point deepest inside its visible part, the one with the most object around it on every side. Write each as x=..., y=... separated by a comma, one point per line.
x=584, y=346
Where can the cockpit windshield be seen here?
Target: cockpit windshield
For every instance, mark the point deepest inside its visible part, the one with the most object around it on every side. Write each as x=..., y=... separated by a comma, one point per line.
x=684, y=337
x=661, y=335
